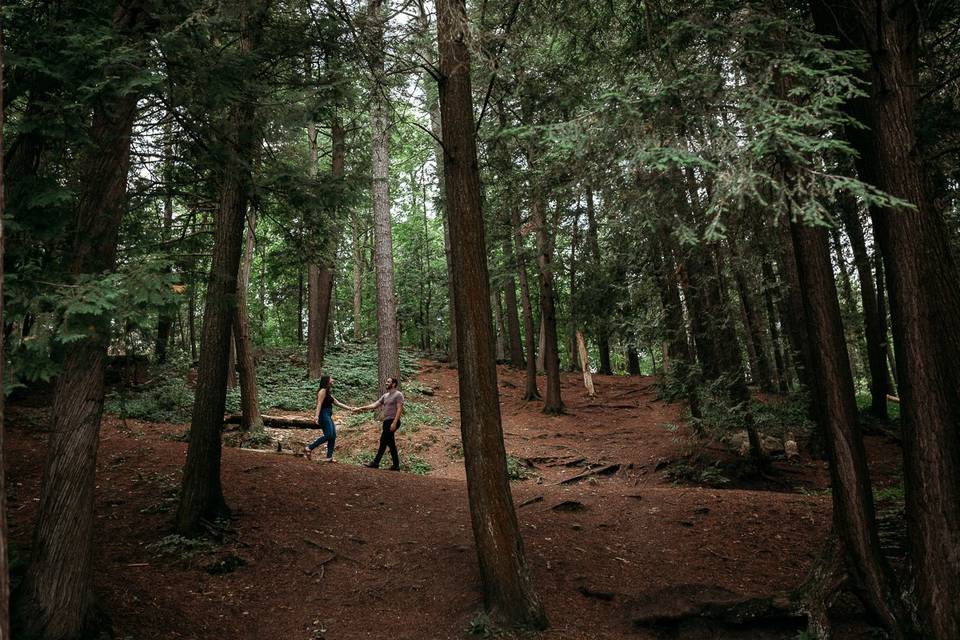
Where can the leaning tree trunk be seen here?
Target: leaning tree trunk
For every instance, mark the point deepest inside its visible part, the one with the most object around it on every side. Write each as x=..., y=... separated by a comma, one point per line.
x=388, y=339
x=56, y=597
x=507, y=587
x=246, y=364
x=853, y=510
x=873, y=328
x=529, y=333
x=924, y=298
x=552, y=403
x=201, y=494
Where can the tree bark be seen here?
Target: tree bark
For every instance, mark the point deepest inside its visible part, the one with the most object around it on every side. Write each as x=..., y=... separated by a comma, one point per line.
x=762, y=373
x=388, y=338
x=56, y=598
x=530, y=380
x=924, y=297
x=500, y=328
x=882, y=313
x=853, y=509
x=357, y=251
x=246, y=365
x=322, y=272
x=769, y=286
x=507, y=587
x=511, y=304
x=553, y=403
x=574, y=364
x=201, y=494
x=873, y=327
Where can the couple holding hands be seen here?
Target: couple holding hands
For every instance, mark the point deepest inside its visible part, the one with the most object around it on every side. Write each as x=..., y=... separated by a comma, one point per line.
x=391, y=405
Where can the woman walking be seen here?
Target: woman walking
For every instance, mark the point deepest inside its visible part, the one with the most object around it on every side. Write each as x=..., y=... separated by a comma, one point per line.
x=324, y=417
x=392, y=403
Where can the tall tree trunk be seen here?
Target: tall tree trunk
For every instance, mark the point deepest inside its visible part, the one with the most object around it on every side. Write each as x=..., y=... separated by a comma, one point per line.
x=572, y=328
x=853, y=509
x=4, y=568
x=507, y=587
x=500, y=329
x=388, y=339
x=681, y=366
x=321, y=273
x=511, y=303
x=633, y=358
x=762, y=374
x=357, y=250
x=441, y=210
x=873, y=327
x=552, y=404
x=201, y=494
x=530, y=380
x=56, y=597
x=848, y=304
x=924, y=297
x=769, y=286
x=165, y=320
x=593, y=243
x=883, y=315
x=246, y=365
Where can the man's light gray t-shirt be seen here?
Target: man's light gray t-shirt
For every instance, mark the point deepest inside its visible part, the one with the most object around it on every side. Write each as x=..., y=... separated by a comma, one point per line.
x=390, y=402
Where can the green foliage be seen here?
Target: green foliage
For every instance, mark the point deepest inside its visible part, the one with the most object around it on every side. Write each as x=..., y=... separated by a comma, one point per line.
x=181, y=547
x=711, y=475
x=170, y=399
x=516, y=469
x=483, y=626
x=864, y=401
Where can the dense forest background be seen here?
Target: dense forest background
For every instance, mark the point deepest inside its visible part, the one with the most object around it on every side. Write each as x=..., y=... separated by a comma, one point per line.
x=752, y=201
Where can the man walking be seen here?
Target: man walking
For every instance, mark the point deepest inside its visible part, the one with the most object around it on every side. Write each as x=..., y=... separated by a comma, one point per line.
x=391, y=405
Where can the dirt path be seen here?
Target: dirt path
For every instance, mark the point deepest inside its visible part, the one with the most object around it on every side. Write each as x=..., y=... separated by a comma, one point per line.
x=340, y=551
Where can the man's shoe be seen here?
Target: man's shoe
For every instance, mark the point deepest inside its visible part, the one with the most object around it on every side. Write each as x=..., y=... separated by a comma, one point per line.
x=371, y=465
x=394, y=468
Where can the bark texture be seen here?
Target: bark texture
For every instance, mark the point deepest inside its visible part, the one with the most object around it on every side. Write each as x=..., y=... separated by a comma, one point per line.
x=201, y=495
x=4, y=569
x=529, y=332
x=388, y=333
x=853, y=509
x=924, y=297
x=246, y=364
x=507, y=587
x=552, y=402
x=56, y=599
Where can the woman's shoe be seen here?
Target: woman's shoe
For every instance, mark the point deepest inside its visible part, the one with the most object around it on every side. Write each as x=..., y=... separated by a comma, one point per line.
x=329, y=460
x=308, y=452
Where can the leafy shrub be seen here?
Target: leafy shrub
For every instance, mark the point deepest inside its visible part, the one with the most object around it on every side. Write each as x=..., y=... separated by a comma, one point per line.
x=169, y=400
x=516, y=470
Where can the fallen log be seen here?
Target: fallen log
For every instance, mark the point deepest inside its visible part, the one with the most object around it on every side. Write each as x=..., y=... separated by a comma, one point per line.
x=277, y=422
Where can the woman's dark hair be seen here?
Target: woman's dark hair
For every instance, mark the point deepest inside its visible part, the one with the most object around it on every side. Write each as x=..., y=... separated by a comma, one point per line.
x=324, y=383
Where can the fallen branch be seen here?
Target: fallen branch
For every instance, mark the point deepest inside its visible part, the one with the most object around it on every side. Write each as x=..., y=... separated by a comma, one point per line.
x=607, y=470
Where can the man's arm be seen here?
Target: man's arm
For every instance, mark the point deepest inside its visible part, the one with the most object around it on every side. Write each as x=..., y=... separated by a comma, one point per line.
x=370, y=407
x=396, y=418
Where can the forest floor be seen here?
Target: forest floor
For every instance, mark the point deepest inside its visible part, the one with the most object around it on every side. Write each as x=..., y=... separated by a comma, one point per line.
x=339, y=551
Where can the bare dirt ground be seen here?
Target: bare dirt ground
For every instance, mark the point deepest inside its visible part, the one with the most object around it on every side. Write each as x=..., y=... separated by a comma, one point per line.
x=339, y=551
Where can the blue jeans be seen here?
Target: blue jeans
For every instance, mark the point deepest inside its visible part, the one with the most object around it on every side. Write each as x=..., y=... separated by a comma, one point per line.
x=329, y=432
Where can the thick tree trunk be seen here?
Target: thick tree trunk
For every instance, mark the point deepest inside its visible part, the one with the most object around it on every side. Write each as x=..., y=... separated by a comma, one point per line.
x=873, y=328
x=388, y=338
x=201, y=494
x=924, y=298
x=530, y=380
x=507, y=587
x=441, y=210
x=56, y=597
x=853, y=509
x=553, y=403
x=246, y=364
x=633, y=359
x=321, y=272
